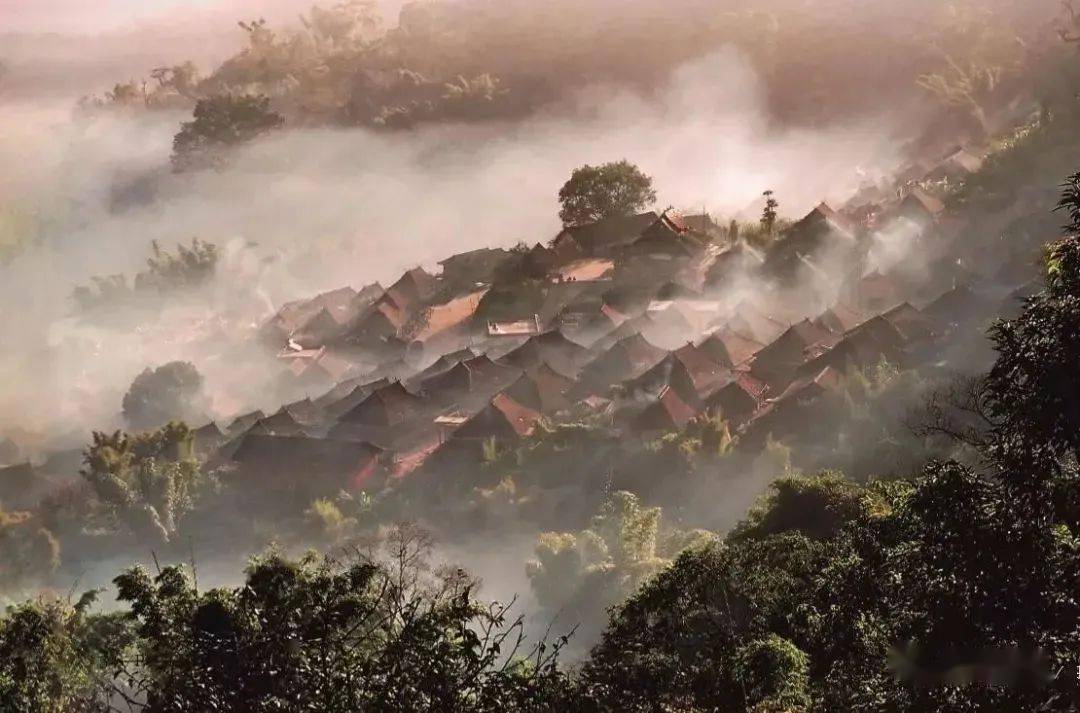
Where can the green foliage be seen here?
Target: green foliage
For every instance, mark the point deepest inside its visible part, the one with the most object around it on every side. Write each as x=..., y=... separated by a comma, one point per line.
x=166, y=275
x=29, y=551
x=149, y=482
x=774, y=673
x=582, y=573
x=839, y=596
x=55, y=657
x=311, y=634
x=817, y=507
x=220, y=124
x=597, y=192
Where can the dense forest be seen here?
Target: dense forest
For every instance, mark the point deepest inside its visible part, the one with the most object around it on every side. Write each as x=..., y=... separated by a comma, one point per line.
x=659, y=458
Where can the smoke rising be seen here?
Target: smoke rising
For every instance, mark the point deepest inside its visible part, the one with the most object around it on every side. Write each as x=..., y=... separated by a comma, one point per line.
x=314, y=209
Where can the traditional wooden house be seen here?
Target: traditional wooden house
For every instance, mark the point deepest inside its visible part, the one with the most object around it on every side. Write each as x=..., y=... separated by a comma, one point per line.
x=777, y=362
x=388, y=406
x=626, y=359
x=603, y=238
x=729, y=348
x=242, y=423
x=550, y=348
x=541, y=389
x=297, y=469
x=791, y=412
x=503, y=419
x=668, y=412
x=822, y=236
x=738, y=400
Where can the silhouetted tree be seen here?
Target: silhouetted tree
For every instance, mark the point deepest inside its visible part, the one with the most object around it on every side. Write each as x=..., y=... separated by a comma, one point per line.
x=164, y=394
x=220, y=124
x=768, y=214
x=597, y=192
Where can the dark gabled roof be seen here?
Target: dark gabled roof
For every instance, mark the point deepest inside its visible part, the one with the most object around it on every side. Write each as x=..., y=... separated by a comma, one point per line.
x=281, y=423
x=388, y=406
x=701, y=223
x=788, y=351
x=610, y=232
x=825, y=379
x=339, y=303
x=668, y=412
x=739, y=399
x=304, y=411
x=822, y=227
x=300, y=458
x=958, y=304
x=244, y=422
x=703, y=370
x=333, y=410
x=729, y=348
x=541, y=389
x=414, y=286
x=626, y=359
x=839, y=318
x=748, y=320
x=208, y=437
x=739, y=259
x=863, y=346
x=551, y=348
x=910, y=322
x=503, y=417
x=465, y=376
x=919, y=201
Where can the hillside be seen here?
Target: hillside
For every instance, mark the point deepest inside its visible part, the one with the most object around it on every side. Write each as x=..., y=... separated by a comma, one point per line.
x=352, y=453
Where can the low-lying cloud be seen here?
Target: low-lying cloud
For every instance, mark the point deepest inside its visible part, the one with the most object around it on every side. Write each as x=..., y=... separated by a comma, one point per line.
x=314, y=209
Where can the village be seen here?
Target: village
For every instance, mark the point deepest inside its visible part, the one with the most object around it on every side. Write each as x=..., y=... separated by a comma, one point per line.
x=646, y=323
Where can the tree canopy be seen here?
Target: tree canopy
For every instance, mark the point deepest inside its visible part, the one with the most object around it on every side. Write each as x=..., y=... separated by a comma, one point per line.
x=221, y=123
x=597, y=192
x=157, y=396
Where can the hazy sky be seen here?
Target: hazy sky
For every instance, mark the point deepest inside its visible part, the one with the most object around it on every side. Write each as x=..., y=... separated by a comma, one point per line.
x=94, y=16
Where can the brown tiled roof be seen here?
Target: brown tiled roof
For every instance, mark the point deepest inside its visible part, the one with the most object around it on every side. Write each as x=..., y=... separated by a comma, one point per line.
x=387, y=406
x=244, y=422
x=280, y=424
x=913, y=324
x=541, y=389
x=439, y=318
x=414, y=286
x=503, y=417
x=668, y=412
x=551, y=348
x=839, y=318
x=729, y=348
x=780, y=358
x=608, y=233
x=302, y=459
x=704, y=372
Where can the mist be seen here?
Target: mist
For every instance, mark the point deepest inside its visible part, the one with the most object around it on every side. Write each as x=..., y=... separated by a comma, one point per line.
x=309, y=210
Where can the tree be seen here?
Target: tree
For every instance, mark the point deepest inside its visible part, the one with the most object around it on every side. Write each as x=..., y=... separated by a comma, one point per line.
x=597, y=192
x=221, y=123
x=167, y=393
x=581, y=574
x=149, y=481
x=768, y=214
x=55, y=656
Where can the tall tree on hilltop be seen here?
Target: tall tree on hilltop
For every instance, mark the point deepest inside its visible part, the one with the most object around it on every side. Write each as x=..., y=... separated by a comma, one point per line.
x=768, y=214
x=597, y=192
